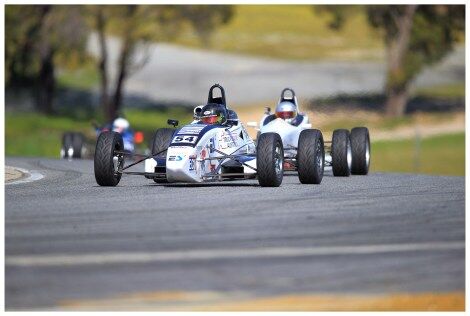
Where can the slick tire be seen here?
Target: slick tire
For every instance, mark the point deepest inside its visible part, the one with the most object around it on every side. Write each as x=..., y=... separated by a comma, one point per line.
x=311, y=156
x=78, y=141
x=270, y=160
x=161, y=140
x=360, y=149
x=105, y=161
x=67, y=142
x=341, y=153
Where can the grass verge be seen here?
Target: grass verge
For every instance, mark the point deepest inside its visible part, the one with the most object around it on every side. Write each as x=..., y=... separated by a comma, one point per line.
x=440, y=155
x=38, y=135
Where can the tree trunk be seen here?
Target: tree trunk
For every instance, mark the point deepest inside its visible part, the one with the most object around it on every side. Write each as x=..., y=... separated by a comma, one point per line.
x=46, y=84
x=103, y=65
x=123, y=65
x=124, y=57
x=46, y=76
x=396, y=102
x=397, y=79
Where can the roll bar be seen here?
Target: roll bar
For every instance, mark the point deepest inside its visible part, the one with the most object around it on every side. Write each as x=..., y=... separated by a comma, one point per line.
x=284, y=92
x=291, y=99
x=217, y=100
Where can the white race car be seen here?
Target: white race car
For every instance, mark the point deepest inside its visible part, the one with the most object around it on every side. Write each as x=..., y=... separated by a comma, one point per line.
x=347, y=152
x=214, y=147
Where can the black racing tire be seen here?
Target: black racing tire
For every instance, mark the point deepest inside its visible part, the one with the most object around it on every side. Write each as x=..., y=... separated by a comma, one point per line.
x=360, y=149
x=161, y=140
x=67, y=141
x=78, y=141
x=105, y=171
x=270, y=160
x=341, y=153
x=310, y=156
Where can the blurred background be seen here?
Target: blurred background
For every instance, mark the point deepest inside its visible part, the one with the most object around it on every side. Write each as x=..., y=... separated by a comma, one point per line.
x=398, y=70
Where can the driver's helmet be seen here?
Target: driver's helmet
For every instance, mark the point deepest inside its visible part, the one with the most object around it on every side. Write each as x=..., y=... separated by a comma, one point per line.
x=286, y=110
x=213, y=113
x=120, y=125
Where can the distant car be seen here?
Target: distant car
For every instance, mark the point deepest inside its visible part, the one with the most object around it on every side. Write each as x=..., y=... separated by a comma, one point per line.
x=347, y=153
x=214, y=147
x=75, y=144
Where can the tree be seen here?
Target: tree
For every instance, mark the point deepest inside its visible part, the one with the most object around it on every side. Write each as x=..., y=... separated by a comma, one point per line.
x=206, y=18
x=138, y=27
x=414, y=36
x=132, y=24
x=38, y=38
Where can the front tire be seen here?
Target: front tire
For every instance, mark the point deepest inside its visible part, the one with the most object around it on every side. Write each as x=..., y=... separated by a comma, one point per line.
x=270, y=160
x=341, y=153
x=311, y=156
x=161, y=141
x=360, y=148
x=106, y=163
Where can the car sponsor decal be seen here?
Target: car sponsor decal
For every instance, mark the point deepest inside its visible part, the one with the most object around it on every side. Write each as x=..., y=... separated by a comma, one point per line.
x=176, y=158
x=193, y=129
x=192, y=163
x=228, y=140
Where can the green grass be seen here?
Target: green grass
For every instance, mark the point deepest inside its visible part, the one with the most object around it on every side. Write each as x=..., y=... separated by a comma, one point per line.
x=292, y=32
x=33, y=134
x=445, y=91
x=149, y=120
x=441, y=155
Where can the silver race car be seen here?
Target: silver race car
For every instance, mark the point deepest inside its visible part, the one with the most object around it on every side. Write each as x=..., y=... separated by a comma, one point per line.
x=214, y=147
x=347, y=152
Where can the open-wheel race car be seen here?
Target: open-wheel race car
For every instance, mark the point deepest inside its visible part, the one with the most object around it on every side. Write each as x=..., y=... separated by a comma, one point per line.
x=76, y=145
x=347, y=153
x=214, y=147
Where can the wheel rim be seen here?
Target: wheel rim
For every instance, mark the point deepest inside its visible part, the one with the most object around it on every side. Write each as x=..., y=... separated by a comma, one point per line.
x=278, y=160
x=367, y=154
x=349, y=155
x=115, y=163
x=319, y=158
x=118, y=160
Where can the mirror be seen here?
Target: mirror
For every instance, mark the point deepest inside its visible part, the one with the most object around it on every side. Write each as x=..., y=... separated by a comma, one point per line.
x=174, y=123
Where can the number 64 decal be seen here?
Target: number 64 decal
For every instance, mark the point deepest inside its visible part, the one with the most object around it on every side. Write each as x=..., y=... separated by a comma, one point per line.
x=185, y=139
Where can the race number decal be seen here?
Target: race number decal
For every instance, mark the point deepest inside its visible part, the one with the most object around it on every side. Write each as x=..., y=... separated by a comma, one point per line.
x=185, y=139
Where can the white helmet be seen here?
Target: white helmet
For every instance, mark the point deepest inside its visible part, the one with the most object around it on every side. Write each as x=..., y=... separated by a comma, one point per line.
x=286, y=110
x=120, y=124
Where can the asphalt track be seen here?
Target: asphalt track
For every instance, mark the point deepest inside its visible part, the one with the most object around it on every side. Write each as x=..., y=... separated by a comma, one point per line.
x=70, y=242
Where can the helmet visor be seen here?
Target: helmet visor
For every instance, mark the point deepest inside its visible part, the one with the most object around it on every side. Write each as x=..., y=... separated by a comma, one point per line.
x=285, y=114
x=210, y=119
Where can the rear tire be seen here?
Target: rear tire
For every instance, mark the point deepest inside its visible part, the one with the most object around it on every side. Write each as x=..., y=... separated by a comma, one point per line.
x=77, y=145
x=310, y=156
x=105, y=160
x=341, y=153
x=161, y=141
x=360, y=148
x=270, y=160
